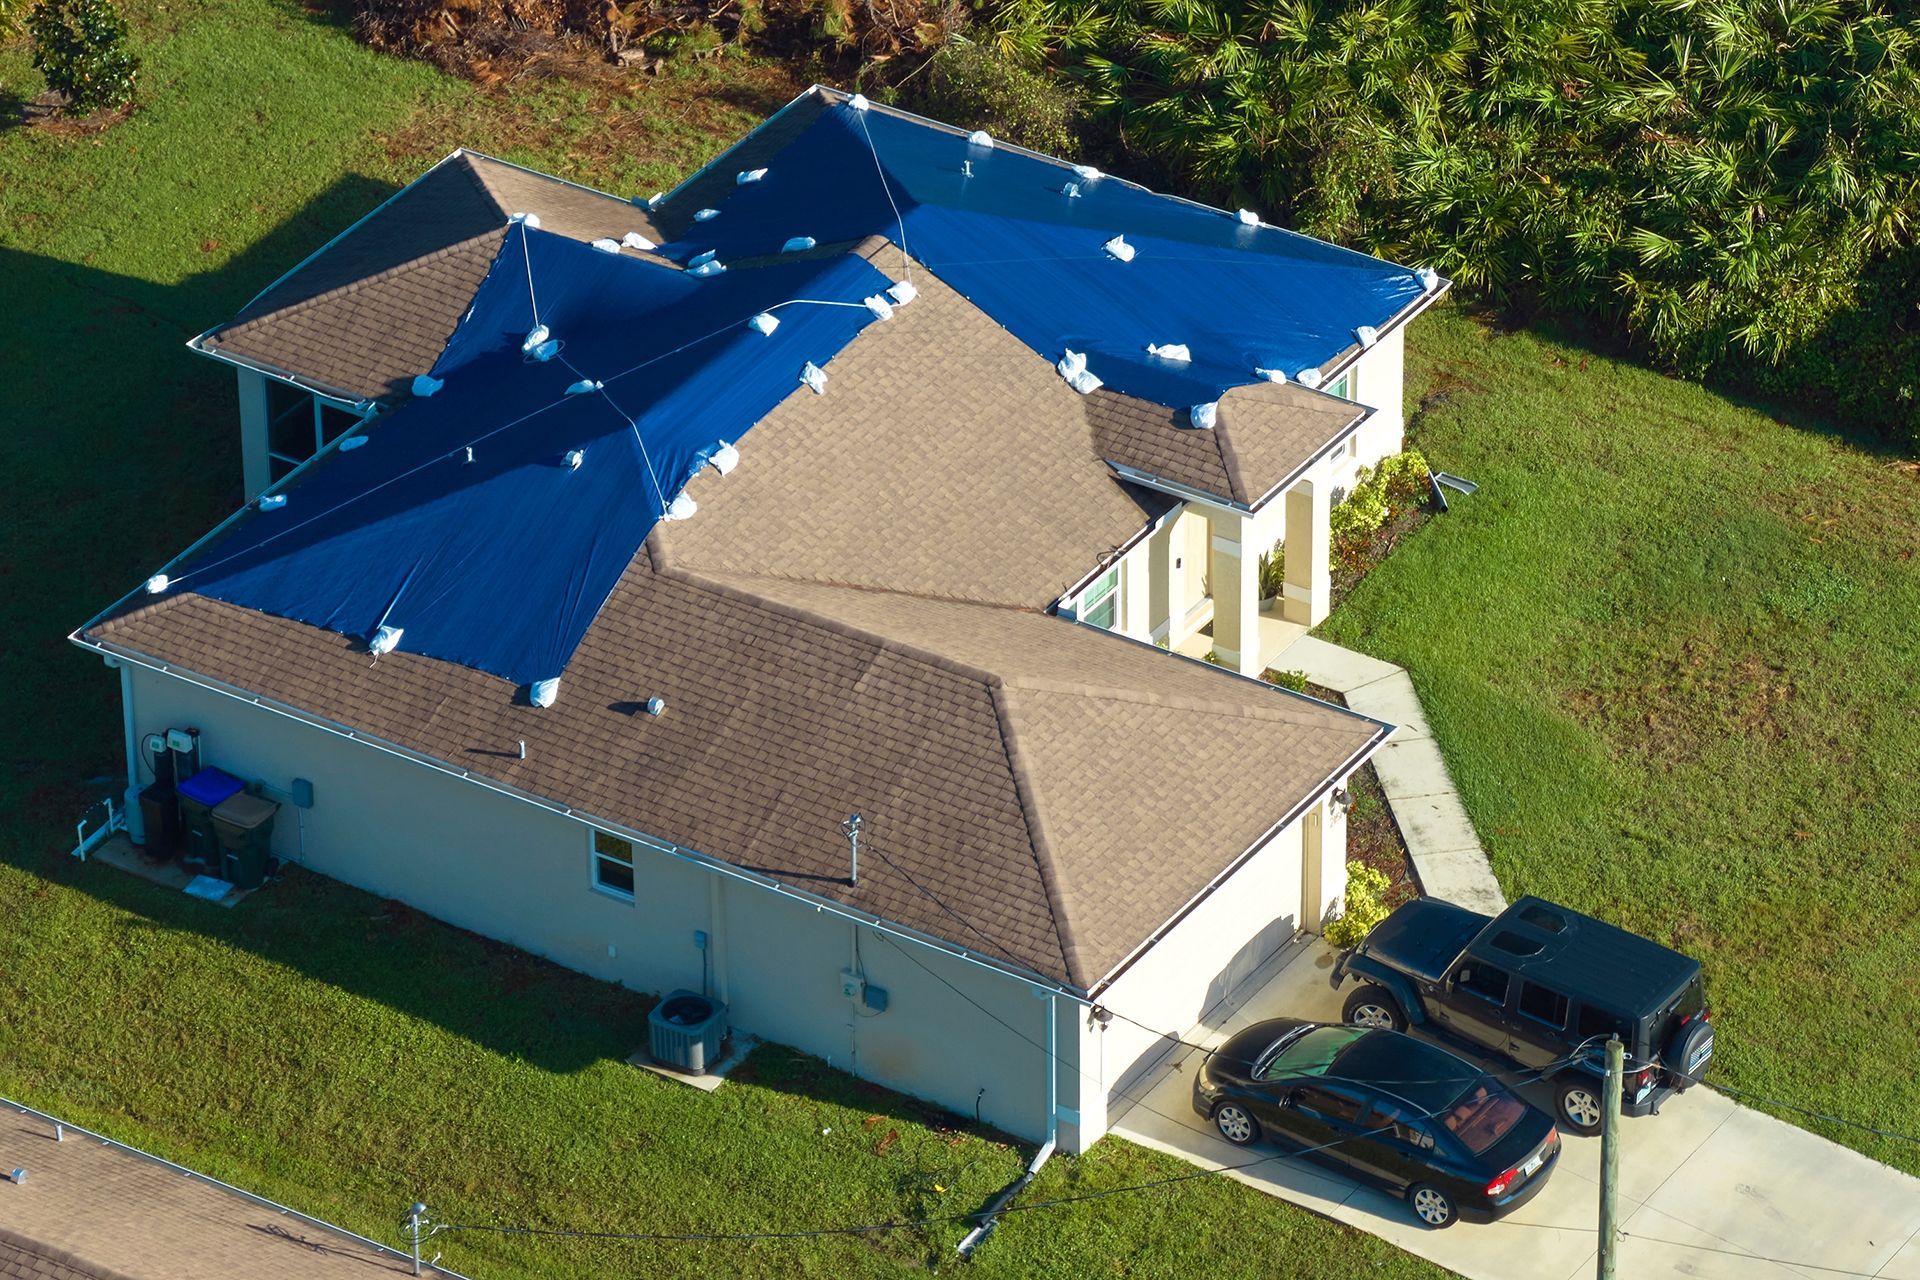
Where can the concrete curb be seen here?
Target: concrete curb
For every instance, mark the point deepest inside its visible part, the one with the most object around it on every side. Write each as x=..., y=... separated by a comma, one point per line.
x=1446, y=852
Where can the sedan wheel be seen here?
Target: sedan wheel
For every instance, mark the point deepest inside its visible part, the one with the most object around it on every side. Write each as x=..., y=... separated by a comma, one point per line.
x=1432, y=1205
x=1234, y=1124
x=1580, y=1107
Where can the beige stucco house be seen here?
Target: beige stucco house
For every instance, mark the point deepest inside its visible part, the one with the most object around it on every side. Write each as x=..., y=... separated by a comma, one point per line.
x=899, y=604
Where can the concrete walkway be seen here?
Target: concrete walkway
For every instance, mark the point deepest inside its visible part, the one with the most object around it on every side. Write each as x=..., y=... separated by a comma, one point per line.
x=1446, y=853
x=1711, y=1190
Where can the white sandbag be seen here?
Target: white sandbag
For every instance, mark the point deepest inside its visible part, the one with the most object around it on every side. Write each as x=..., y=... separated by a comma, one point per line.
x=1119, y=248
x=1366, y=335
x=1429, y=278
x=707, y=268
x=764, y=324
x=273, y=502
x=1248, y=218
x=424, y=386
x=351, y=443
x=879, y=305
x=1086, y=173
x=1205, y=415
x=530, y=219
x=605, y=245
x=544, y=693
x=799, y=244
x=1073, y=367
x=745, y=176
x=682, y=507
x=385, y=639
x=585, y=387
x=634, y=240
x=706, y=215
x=725, y=458
x=1175, y=351
x=535, y=336
x=157, y=583
x=815, y=378
x=1308, y=377
x=902, y=292
x=1271, y=375
x=858, y=102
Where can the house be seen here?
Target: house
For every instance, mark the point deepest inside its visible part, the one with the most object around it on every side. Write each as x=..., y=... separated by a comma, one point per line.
x=604, y=559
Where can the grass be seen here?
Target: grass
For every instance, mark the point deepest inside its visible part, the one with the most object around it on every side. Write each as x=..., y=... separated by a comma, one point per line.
x=319, y=1045
x=1669, y=651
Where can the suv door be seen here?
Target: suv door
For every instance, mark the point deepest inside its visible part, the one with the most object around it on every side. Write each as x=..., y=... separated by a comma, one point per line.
x=1473, y=1002
x=1537, y=1030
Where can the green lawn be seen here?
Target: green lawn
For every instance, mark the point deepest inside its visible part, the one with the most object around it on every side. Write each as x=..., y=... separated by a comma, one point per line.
x=319, y=1045
x=1669, y=650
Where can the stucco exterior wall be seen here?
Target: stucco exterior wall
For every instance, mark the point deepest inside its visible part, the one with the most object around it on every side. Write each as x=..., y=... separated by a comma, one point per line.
x=511, y=871
x=1174, y=985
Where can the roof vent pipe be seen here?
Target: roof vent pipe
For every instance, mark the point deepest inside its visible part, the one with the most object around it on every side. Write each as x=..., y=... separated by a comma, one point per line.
x=656, y=706
x=574, y=458
x=543, y=693
x=851, y=830
x=1071, y=191
x=469, y=453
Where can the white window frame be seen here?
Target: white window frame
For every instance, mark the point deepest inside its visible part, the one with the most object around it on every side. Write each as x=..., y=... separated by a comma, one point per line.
x=317, y=407
x=595, y=857
x=1108, y=587
x=1344, y=385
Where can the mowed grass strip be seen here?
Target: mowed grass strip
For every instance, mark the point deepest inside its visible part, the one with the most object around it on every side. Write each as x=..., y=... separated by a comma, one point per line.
x=318, y=1045
x=1669, y=650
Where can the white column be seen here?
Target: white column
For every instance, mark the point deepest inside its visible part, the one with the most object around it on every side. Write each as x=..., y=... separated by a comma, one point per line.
x=136, y=823
x=255, y=469
x=1162, y=592
x=1233, y=568
x=1307, y=594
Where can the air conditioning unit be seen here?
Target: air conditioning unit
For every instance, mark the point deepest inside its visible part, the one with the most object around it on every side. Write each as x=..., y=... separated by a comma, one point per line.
x=684, y=1032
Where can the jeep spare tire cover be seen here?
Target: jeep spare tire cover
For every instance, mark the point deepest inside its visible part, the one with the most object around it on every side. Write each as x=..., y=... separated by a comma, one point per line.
x=1688, y=1050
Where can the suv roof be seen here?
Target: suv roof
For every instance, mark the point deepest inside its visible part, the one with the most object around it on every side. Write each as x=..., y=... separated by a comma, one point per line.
x=1585, y=959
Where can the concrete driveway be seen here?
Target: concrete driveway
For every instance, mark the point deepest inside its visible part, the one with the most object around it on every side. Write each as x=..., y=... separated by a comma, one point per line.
x=1712, y=1189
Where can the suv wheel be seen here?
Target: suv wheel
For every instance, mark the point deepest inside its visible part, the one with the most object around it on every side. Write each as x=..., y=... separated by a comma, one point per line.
x=1374, y=1006
x=1579, y=1104
x=1236, y=1124
x=1431, y=1205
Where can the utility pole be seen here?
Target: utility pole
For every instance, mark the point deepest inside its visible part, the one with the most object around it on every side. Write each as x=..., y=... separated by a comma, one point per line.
x=1610, y=1158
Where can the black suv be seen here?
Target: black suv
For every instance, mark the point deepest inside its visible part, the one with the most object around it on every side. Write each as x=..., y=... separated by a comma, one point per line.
x=1546, y=987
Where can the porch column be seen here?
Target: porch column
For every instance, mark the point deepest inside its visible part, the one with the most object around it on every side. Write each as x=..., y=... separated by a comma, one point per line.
x=1233, y=568
x=1307, y=593
x=1162, y=595
x=1323, y=861
x=255, y=469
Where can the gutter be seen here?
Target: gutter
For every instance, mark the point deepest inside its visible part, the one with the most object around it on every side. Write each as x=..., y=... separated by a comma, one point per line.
x=1039, y=983
x=990, y=1216
x=340, y=396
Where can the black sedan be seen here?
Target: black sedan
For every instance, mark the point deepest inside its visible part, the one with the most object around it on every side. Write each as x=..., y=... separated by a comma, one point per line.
x=1385, y=1108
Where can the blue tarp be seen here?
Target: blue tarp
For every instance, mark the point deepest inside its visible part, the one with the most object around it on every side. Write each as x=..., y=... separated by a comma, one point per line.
x=502, y=563
x=1239, y=296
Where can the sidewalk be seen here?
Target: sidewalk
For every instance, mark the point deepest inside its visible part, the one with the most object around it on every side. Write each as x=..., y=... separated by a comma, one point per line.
x=1710, y=1189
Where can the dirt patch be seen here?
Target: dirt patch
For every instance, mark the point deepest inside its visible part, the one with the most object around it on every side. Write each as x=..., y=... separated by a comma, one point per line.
x=1352, y=564
x=47, y=113
x=1682, y=699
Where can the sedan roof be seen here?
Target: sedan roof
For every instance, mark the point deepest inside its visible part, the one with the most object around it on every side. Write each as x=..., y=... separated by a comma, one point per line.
x=1427, y=1076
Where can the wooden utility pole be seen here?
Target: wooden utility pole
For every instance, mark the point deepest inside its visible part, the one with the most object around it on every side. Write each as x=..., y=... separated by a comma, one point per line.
x=1610, y=1158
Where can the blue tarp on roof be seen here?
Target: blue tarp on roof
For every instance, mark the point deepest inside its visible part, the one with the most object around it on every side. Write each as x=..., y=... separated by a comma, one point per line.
x=1239, y=296
x=502, y=563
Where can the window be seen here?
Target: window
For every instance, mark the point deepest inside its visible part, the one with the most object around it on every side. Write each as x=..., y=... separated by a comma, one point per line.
x=1597, y=1025
x=1482, y=1116
x=1543, y=1005
x=1100, y=603
x=1334, y=1106
x=613, y=865
x=1481, y=980
x=289, y=422
x=1341, y=386
x=1543, y=918
x=1312, y=1053
x=333, y=422
x=1401, y=1123
x=1515, y=944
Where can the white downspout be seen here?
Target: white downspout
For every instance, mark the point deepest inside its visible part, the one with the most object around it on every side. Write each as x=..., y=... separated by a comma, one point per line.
x=1053, y=1084
x=136, y=824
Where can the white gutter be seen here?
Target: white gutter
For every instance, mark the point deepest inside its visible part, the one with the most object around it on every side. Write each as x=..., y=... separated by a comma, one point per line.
x=135, y=823
x=1037, y=982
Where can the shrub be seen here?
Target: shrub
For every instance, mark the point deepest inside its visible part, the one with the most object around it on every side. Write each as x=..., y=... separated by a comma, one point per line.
x=80, y=46
x=977, y=86
x=1364, y=906
x=11, y=14
x=1294, y=680
x=1273, y=572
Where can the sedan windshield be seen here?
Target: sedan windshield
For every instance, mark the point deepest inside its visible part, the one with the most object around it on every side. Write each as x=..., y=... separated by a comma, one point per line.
x=1482, y=1116
x=1310, y=1054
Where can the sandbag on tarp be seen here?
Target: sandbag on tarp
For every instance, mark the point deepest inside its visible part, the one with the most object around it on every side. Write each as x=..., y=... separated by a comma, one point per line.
x=995, y=224
x=502, y=562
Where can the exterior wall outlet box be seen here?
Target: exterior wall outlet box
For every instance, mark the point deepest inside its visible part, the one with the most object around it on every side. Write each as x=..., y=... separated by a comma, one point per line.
x=852, y=985
x=875, y=998
x=302, y=793
x=700, y=939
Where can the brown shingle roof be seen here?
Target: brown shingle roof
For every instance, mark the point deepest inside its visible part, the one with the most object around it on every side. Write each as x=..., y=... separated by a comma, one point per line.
x=952, y=727
x=90, y=1210
x=377, y=306
x=945, y=459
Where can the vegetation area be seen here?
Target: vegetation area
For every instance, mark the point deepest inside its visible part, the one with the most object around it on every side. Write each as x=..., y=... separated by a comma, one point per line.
x=318, y=1045
x=1668, y=651
x=1732, y=186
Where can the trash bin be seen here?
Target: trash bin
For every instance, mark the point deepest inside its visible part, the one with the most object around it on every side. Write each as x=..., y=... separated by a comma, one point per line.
x=160, y=815
x=243, y=824
x=200, y=795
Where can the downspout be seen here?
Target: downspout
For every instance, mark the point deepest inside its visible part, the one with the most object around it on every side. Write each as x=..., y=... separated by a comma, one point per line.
x=136, y=822
x=989, y=1217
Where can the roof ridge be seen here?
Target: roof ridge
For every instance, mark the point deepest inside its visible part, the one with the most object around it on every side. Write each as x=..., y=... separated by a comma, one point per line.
x=1037, y=835
x=1175, y=701
x=353, y=286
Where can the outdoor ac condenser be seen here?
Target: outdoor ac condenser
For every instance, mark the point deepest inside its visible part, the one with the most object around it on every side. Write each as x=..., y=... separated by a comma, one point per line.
x=684, y=1032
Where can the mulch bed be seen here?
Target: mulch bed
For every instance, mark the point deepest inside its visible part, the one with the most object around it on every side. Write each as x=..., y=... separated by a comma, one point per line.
x=1373, y=838
x=1350, y=565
